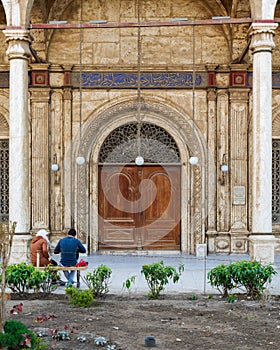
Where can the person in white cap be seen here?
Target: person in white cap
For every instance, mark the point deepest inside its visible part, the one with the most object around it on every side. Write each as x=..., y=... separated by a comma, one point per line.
x=41, y=243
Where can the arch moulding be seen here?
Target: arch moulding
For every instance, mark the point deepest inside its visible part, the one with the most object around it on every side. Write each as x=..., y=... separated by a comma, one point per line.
x=189, y=142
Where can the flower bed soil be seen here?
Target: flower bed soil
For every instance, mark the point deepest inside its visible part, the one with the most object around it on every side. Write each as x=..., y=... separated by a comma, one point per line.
x=176, y=321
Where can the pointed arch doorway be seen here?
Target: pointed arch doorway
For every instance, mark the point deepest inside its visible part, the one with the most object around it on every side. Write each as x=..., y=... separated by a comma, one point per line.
x=139, y=206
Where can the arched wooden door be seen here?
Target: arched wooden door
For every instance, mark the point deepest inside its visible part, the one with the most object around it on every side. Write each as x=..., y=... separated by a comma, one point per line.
x=139, y=207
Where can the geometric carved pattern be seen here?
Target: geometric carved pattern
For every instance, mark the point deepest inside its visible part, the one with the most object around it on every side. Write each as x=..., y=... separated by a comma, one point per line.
x=4, y=126
x=124, y=144
x=4, y=180
x=276, y=124
x=276, y=182
x=197, y=215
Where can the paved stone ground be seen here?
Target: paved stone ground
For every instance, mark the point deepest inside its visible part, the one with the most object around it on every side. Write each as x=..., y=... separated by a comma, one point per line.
x=193, y=280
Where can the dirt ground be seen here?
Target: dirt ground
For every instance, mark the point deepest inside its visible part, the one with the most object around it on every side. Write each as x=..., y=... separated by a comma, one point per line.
x=176, y=321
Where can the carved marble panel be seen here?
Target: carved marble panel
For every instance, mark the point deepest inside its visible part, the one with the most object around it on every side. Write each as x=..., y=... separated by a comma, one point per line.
x=40, y=159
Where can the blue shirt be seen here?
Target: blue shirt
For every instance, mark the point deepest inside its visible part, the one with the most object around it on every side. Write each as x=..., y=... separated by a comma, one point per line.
x=69, y=247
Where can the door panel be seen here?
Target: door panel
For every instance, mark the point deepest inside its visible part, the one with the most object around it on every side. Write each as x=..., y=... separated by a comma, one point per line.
x=161, y=221
x=139, y=207
x=117, y=207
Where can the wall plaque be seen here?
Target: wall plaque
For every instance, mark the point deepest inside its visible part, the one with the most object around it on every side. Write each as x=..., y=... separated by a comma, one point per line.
x=239, y=195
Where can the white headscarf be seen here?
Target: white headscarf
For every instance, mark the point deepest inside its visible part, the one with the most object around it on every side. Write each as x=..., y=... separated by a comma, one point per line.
x=43, y=233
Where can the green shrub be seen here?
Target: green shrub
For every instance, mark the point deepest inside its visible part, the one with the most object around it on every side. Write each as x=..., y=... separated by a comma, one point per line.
x=158, y=276
x=81, y=298
x=220, y=277
x=21, y=278
x=98, y=280
x=17, y=336
x=251, y=275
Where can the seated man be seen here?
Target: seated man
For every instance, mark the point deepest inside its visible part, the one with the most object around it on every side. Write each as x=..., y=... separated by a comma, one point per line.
x=69, y=247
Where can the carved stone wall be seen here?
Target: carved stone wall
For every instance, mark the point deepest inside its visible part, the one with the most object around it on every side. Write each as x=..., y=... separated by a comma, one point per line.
x=239, y=169
x=275, y=171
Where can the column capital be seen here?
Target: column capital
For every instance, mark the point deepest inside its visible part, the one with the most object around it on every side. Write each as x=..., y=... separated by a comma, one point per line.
x=262, y=36
x=67, y=94
x=39, y=95
x=239, y=95
x=212, y=94
x=18, y=44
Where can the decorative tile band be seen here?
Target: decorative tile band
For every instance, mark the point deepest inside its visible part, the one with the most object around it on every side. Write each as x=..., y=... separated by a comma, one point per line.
x=150, y=80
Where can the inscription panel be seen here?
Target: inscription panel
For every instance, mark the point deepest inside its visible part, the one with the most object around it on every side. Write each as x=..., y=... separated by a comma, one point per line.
x=239, y=196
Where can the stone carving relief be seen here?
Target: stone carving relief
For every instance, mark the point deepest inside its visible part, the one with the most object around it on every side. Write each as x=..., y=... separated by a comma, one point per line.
x=4, y=127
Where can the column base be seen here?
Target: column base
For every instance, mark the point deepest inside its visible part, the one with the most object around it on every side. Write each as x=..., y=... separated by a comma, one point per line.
x=201, y=250
x=261, y=248
x=20, y=248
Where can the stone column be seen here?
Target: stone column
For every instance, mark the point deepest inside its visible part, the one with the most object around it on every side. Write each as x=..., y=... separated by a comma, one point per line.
x=261, y=181
x=18, y=53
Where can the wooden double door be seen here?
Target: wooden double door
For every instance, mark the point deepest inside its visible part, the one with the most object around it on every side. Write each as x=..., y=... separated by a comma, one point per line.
x=139, y=207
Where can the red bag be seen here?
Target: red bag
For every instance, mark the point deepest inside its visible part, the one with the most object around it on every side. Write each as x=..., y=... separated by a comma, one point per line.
x=82, y=263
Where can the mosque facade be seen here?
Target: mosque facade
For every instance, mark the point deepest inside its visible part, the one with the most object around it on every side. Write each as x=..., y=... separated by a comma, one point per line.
x=146, y=125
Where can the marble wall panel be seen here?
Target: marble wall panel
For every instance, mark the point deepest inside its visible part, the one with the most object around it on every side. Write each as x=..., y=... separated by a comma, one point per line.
x=40, y=159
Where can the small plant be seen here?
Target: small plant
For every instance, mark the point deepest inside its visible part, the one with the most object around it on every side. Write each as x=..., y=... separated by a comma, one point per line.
x=220, y=277
x=232, y=298
x=128, y=282
x=7, y=231
x=193, y=297
x=251, y=275
x=49, y=280
x=21, y=278
x=98, y=280
x=81, y=298
x=158, y=276
x=209, y=296
x=100, y=340
x=17, y=336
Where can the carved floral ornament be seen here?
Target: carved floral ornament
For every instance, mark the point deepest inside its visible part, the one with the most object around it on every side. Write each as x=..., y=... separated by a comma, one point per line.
x=4, y=126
